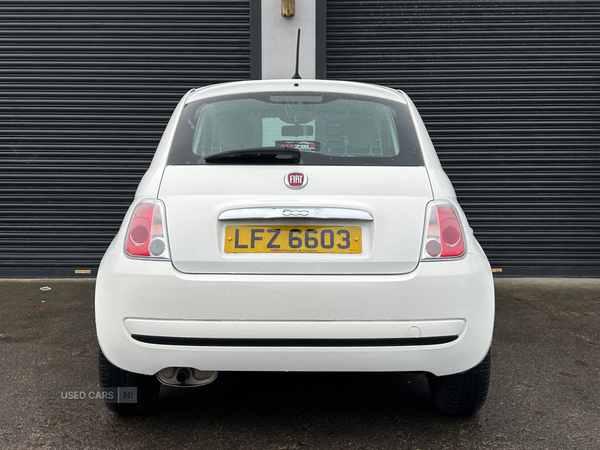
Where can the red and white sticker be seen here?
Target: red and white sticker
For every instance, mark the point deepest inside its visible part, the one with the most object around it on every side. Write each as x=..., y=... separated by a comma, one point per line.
x=306, y=146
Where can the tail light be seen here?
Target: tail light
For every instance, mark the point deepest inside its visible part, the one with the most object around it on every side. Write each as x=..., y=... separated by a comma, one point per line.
x=147, y=232
x=444, y=237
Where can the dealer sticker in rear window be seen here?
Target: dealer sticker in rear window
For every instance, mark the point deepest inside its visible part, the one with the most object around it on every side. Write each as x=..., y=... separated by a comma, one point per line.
x=292, y=239
x=305, y=146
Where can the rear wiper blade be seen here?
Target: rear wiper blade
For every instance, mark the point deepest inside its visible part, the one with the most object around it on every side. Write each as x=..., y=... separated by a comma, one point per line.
x=258, y=155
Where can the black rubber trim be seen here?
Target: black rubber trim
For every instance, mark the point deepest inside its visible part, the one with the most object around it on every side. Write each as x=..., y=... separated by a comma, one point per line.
x=217, y=342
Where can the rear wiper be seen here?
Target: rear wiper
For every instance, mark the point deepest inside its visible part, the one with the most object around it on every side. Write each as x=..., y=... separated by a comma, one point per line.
x=258, y=155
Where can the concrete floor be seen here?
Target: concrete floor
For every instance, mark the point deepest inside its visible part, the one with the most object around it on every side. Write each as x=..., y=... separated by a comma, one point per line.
x=544, y=394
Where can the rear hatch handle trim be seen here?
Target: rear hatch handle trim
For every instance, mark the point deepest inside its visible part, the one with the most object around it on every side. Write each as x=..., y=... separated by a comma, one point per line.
x=295, y=213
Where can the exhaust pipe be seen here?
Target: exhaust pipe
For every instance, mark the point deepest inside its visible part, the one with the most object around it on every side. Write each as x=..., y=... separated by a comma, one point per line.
x=182, y=375
x=185, y=377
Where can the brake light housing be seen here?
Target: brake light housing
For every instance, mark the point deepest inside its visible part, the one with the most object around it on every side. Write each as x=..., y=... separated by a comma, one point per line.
x=444, y=237
x=146, y=236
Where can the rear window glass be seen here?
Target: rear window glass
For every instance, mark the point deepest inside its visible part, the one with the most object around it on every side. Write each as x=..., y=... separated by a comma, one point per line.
x=328, y=129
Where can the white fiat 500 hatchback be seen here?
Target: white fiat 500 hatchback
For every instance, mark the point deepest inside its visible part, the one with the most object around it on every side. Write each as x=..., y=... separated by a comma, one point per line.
x=294, y=225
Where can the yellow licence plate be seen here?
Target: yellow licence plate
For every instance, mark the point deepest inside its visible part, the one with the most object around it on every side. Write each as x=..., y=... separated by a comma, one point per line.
x=292, y=239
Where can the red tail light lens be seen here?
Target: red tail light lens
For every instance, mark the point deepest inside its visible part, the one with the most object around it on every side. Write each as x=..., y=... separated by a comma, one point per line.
x=443, y=235
x=452, y=240
x=146, y=235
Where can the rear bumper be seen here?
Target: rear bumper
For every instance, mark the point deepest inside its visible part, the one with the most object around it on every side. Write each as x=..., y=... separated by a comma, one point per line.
x=438, y=318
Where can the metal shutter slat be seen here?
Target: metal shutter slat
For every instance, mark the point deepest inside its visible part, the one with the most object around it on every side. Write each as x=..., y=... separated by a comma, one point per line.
x=86, y=89
x=510, y=91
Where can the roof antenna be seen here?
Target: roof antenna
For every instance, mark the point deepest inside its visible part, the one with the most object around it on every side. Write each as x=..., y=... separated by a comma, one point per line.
x=297, y=75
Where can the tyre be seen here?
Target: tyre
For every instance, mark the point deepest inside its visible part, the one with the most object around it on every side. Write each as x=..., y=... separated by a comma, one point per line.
x=464, y=393
x=112, y=377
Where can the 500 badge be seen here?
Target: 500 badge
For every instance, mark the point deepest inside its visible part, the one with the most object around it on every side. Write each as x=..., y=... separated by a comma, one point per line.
x=292, y=239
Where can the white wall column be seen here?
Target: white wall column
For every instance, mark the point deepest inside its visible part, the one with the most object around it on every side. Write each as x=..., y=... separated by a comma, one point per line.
x=278, y=40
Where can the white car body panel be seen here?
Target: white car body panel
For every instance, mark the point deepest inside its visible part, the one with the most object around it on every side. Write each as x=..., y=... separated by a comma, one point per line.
x=435, y=291
x=194, y=197
x=384, y=295
x=294, y=329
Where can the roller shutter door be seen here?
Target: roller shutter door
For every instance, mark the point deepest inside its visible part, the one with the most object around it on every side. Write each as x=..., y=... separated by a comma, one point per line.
x=86, y=89
x=510, y=92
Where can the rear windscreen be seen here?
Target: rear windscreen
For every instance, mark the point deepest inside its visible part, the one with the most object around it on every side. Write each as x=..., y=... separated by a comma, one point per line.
x=328, y=129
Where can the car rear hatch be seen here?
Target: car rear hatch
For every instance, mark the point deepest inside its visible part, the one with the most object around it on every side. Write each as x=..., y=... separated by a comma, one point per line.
x=244, y=219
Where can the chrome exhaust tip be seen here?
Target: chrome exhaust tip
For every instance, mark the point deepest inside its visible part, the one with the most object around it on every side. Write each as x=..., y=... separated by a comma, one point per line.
x=185, y=377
